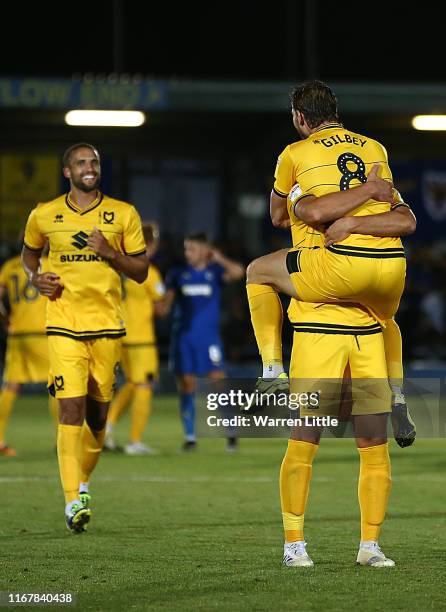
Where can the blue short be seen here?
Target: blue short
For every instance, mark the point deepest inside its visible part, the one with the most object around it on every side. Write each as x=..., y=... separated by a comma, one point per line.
x=196, y=354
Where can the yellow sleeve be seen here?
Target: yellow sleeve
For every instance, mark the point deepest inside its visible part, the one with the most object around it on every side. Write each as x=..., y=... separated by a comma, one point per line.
x=155, y=284
x=398, y=200
x=133, y=239
x=34, y=239
x=284, y=174
x=4, y=274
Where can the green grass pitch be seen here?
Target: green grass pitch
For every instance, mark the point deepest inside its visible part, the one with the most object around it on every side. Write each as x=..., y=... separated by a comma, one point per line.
x=202, y=531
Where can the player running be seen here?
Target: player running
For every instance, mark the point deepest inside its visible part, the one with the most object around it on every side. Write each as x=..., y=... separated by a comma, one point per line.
x=93, y=239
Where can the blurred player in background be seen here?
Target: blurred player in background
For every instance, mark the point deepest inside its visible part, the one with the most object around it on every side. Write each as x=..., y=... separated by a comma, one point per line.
x=365, y=269
x=22, y=310
x=139, y=358
x=196, y=347
x=93, y=239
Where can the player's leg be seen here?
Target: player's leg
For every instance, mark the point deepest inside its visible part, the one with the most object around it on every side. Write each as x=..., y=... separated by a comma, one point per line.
x=53, y=407
x=187, y=384
x=373, y=486
x=183, y=361
x=404, y=428
x=67, y=381
x=316, y=360
x=120, y=401
x=91, y=443
x=8, y=395
x=140, y=410
x=143, y=371
x=14, y=373
x=72, y=414
x=265, y=278
x=103, y=362
x=371, y=408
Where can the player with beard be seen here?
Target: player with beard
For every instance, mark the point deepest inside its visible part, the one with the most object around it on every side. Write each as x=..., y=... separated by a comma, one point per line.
x=93, y=239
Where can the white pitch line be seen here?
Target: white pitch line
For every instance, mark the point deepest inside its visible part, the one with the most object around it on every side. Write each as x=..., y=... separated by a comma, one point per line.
x=212, y=479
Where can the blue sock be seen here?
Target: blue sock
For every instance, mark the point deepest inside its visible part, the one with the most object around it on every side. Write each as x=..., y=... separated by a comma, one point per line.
x=187, y=408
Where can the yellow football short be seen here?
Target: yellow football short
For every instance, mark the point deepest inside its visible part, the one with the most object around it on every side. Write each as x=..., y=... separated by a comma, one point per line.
x=83, y=367
x=374, y=278
x=139, y=363
x=26, y=359
x=318, y=363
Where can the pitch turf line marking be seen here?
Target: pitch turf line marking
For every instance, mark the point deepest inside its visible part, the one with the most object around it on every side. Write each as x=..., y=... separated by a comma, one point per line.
x=205, y=479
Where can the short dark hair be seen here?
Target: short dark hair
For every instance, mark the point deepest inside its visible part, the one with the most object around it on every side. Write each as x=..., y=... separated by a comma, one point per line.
x=197, y=237
x=316, y=101
x=150, y=231
x=66, y=157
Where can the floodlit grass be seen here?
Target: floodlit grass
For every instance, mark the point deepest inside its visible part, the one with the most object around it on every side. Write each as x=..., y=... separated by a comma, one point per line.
x=202, y=531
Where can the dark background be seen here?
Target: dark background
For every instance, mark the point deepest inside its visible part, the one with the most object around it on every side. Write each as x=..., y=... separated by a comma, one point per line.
x=282, y=43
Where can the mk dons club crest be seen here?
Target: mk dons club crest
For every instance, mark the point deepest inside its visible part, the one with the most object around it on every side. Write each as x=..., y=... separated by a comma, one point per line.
x=434, y=194
x=59, y=383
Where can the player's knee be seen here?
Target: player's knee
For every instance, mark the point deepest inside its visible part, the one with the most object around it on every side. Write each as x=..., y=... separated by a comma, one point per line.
x=253, y=272
x=72, y=411
x=186, y=384
x=367, y=442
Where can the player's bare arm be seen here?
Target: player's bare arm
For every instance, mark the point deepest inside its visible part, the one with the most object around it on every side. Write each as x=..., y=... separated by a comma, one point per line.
x=163, y=306
x=4, y=317
x=234, y=270
x=278, y=211
x=332, y=206
x=48, y=283
x=134, y=267
x=398, y=222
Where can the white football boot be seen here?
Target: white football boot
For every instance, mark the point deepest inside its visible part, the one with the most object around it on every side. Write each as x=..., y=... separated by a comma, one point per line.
x=370, y=554
x=295, y=555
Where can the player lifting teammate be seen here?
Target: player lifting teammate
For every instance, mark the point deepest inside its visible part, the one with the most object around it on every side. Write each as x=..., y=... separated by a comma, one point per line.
x=324, y=178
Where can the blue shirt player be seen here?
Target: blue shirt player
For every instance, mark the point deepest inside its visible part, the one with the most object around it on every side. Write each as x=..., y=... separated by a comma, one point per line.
x=194, y=290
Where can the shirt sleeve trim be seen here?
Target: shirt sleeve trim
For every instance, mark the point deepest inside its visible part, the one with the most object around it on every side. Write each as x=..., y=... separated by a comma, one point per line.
x=36, y=249
x=279, y=193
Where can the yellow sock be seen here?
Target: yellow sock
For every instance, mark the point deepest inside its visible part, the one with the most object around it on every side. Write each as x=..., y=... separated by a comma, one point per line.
x=295, y=476
x=68, y=448
x=7, y=398
x=373, y=489
x=394, y=353
x=266, y=318
x=119, y=402
x=53, y=405
x=91, y=446
x=140, y=411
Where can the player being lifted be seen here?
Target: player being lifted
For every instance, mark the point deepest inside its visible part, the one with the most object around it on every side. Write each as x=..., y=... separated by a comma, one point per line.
x=196, y=348
x=93, y=239
x=368, y=269
x=27, y=347
x=139, y=359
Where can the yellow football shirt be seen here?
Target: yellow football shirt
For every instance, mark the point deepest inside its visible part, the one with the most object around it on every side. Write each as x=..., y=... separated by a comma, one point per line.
x=332, y=159
x=90, y=303
x=138, y=300
x=27, y=306
x=352, y=319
